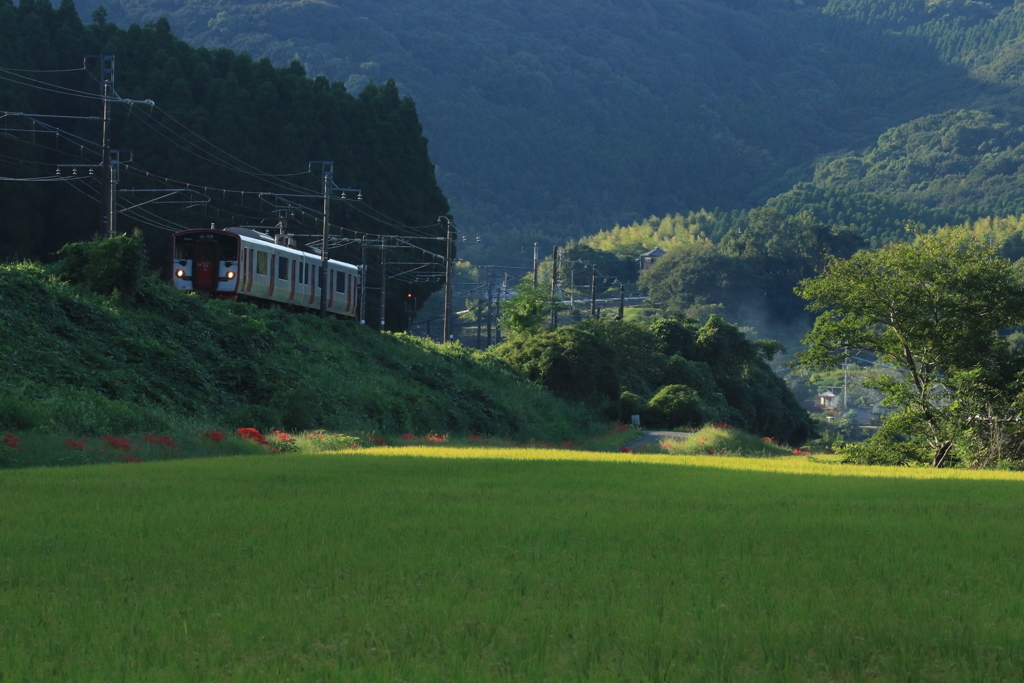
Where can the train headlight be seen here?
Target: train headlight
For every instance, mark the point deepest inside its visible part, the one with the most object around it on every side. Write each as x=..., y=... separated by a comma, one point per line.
x=180, y=272
x=231, y=275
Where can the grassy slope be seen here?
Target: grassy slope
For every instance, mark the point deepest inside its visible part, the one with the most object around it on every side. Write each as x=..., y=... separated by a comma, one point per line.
x=354, y=567
x=82, y=364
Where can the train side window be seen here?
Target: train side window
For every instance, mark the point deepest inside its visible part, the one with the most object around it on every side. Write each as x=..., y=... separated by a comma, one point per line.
x=282, y=269
x=261, y=263
x=339, y=282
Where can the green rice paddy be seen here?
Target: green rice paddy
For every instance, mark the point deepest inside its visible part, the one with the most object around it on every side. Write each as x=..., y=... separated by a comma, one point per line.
x=500, y=566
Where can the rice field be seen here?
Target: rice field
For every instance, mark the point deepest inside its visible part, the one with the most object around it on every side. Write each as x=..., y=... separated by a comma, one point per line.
x=476, y=564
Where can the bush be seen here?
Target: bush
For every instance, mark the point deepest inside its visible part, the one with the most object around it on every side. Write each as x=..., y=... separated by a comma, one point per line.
x=105, y=266
x=676, y=405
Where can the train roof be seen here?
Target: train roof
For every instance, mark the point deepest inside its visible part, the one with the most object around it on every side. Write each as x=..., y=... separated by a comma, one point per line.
x=250, y=235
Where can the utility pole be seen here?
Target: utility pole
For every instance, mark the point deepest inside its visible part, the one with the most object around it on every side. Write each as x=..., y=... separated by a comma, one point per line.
x=554, y=288
x=490, y=303
x=110, y=159
x=362, y=286
x=622, y=301
x=447, y=280
x=383, y=279
x=328, y=181
x=846, y=365
x=535, y=264
x=593, y=291
x=109, y=184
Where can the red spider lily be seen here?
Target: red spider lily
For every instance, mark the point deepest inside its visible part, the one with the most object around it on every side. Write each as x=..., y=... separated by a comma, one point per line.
x=409, y=437
x=250, y=434
x=665, y=446
x=118, y=443
x=626, y=449
x=282, y=436
x=768, y=439
x=214, y=436
x=474, y=437
x=378, y=441
x=436, y=438
x=567, y=444
x=797, y=451
x=710, y=452
x=723, y=425
x=160, y=440
x=128, y=457
x=77, y=445
x=10, y=440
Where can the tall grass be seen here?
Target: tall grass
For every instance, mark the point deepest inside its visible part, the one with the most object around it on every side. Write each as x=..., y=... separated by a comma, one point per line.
x=478, y=567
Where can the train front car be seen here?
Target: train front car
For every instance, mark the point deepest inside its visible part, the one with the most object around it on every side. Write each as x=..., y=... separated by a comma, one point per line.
x=206, y=261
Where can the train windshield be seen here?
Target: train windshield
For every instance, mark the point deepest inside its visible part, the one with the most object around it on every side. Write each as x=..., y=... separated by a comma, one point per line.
x=210, y=245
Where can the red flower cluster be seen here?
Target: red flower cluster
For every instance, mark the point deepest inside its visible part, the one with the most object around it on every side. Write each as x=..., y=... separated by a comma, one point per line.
x=251, y=434
x=474, y=437
x=408, y=437
x=118, y=443
x=626, y=449
x=723, y=425
x=619, y=427
x=160, y=441
x=10, y=440
x=214, y=436
x=128, y=457
x=77, y=445
x=797, y=451
x=379, y=441
x=282, y=436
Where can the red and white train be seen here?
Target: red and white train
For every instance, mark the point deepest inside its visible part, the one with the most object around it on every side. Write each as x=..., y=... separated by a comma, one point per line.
x=239, y=263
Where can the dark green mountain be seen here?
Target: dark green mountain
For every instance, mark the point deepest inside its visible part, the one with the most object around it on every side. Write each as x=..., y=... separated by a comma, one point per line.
x=554, y=120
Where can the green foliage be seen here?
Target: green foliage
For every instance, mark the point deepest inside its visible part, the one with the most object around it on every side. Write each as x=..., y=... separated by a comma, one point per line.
x=573, y=363
x=932, y=308
x=105, y=266
x=719, y=374
x=676, y=405
x=80, y=363
x=601, y=114
x=528, y=310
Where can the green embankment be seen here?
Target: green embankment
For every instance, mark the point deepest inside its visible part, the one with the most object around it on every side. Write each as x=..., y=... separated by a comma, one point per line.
x=361, y=568
x=156, y=360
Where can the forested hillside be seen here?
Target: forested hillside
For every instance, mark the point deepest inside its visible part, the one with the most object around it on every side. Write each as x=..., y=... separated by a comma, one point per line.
x=554, y=120
x=235, y=132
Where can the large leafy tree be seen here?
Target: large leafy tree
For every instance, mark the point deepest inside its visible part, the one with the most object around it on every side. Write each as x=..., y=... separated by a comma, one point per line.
x=932, y=308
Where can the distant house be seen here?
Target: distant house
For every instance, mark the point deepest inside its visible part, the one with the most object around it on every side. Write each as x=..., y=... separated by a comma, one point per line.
x=826, y=400
x=647, y=258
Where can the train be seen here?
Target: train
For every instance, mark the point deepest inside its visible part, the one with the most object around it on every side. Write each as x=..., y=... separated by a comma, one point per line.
x=245, y=264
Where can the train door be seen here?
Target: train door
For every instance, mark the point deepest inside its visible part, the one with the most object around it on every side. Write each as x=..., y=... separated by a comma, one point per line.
x=205, y=270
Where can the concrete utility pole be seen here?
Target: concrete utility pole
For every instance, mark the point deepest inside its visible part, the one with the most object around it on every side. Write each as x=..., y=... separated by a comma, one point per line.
x=109, y=181
x=328, y=181
x=490, y=310
x=326, y=187
x=622, y=301
x=447, y=279
x=593, y=291
x=383, y=279
x=535, y=255
x=554, y=288
x=362, y=286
